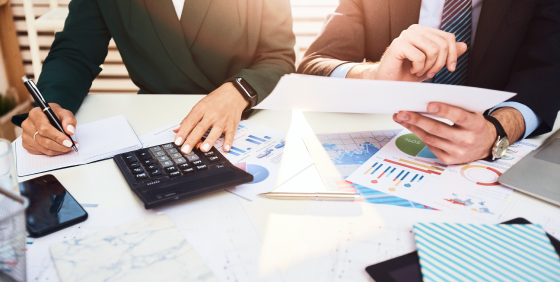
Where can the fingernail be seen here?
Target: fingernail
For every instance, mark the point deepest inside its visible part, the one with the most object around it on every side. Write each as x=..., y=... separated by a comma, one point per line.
x=71, y=128
x=177, y=127
x=430, y=75
x=179, y=140
x=227, y=148
x=403, y=117
x=433, y=108
x=67, y=143
x=186, y=149
x=453, y=65
x=205, y=147
x=77, y=145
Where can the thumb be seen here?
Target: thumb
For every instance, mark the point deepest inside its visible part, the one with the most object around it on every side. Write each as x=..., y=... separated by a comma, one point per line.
x=461, y=48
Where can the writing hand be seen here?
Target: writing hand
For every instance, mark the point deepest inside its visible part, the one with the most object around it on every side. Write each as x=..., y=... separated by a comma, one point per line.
x=220, y=110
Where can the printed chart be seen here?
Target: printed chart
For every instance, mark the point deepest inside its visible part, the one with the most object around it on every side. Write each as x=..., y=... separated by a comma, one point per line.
x=406, y=168
x=348, y=151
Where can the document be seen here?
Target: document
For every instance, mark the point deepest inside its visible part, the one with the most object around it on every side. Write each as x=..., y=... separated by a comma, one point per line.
x=97, y=140
x=329, y=94
x=418, y=175
x=537, y=212
x=337, y=155
x=257, y=149
x=335, y=244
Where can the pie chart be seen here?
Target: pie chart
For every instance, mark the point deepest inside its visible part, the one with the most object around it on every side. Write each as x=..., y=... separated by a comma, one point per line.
x=411, y=145
x=260, y=173
x=481, y=175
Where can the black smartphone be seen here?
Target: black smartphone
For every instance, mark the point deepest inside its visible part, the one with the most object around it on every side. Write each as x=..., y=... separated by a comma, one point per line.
x=407, y=267
x=51, y=207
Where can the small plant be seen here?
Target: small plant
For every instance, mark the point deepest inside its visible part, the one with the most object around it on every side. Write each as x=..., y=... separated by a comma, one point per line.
x=6, y=104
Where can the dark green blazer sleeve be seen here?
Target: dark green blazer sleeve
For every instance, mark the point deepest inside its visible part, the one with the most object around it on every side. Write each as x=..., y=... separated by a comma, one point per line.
x=75, y=56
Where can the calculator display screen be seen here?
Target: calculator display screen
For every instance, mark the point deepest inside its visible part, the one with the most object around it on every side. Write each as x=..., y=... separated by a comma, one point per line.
x=51, y=207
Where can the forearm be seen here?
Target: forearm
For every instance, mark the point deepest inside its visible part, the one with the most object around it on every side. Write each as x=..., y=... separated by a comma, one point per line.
x=363, y=71
x=512, y=121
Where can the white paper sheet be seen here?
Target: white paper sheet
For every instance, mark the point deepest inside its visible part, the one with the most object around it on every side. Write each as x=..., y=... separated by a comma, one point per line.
x=223, y=234
x=546, y=215
x=256, y=148
x=406, y=168
x=98, y=140
x=328, y=94
x=337, y=244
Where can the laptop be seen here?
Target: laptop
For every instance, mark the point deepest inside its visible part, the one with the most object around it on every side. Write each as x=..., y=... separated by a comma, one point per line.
x=538, y=173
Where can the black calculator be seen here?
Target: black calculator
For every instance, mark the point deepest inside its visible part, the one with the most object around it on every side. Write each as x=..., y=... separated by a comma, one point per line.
x=162, y=175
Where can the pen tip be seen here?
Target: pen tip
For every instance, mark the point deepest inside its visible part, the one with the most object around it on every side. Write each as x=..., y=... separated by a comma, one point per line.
x=75, y=149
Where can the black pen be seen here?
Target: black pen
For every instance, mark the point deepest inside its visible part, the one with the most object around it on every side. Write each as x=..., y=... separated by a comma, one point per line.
x=32, y=88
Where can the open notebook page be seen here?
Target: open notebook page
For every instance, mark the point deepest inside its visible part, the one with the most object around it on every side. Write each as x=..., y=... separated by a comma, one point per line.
x=98, y=140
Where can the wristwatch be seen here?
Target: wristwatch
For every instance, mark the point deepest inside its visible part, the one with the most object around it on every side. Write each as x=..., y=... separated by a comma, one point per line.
x=246, y=91
x=502, y=142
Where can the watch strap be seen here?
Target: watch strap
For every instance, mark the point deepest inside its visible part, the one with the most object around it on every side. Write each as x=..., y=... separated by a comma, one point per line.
x=245, y=92
x=499, y=128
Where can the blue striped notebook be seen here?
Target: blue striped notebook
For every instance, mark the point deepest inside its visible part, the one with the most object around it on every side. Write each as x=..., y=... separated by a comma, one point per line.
x=483, y=252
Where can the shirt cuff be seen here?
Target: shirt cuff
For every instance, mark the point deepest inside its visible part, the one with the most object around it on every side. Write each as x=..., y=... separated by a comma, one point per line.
x=342, y=70
x=532, y=121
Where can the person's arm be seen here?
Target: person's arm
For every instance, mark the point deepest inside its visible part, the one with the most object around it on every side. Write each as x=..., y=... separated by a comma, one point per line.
x=341, y=41
x=68, y=71
x=221, y=110
x=536, y=72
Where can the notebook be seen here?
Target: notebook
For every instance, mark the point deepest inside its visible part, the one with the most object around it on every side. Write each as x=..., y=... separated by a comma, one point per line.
x=147, y=249
x=484, y=252
x=98, y=140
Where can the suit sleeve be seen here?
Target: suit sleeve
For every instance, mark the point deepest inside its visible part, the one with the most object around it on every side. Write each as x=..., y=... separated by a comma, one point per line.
x=274, y=56
x=75, y=56
x=342, y=40
x=536, y=71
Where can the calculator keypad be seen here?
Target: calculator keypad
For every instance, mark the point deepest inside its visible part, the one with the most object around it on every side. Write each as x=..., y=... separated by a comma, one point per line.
x=167, y=161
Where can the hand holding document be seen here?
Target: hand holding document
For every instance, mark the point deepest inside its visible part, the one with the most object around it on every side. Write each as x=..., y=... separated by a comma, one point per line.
x=327, y=94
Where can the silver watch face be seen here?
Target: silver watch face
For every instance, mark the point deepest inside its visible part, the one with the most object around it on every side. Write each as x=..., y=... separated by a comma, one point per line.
x=502, y=146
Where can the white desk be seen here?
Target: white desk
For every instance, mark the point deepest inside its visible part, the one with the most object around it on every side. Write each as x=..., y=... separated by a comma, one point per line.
x=102, y=183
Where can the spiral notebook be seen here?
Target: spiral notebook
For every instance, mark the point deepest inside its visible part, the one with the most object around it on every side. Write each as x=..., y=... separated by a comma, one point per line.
x=97, y=140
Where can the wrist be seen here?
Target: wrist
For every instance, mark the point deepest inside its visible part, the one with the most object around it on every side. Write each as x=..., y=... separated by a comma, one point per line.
x=512, y=121
x=492, y=138
x=239, y=99
x=363, y=71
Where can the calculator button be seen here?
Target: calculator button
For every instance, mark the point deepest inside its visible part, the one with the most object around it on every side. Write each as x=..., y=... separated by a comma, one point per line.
x=175, y=155
x=175, y=173
x=134, y=164
x=180, y=160
x=163, y=158
x=172, y=151
x=184, y=166
x=170, y=169
x=216, y=165
x=143, y=154
x=155, y=172
x=128, y=158
x=159, y=153
x=141, y=175
x=166, y=163
x=213, y=158
x=199, y=162
x=148, y=162
x=188, y=170
x=155, y=149
x=167, y=146
x=208, y=154
x=201, y=167
x=137, y=170
x=192, y=157
x=151, y=167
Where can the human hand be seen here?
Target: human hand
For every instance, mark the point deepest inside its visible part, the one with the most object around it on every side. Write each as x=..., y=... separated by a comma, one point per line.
x=220, y=110
x=417, y=54
x=470, y=138
x=41, y=138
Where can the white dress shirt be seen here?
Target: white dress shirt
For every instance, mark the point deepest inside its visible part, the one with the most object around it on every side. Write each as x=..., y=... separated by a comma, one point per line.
x=178, y=4
x=431, y=13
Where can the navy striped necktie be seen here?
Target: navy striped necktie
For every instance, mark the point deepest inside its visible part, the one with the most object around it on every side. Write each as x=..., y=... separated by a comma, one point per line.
x=457, y=19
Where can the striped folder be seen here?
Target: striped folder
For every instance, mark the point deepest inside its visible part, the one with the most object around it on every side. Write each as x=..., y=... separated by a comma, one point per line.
x=481, y=252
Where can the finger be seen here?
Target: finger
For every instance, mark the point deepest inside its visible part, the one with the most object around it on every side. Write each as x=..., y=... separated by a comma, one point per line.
x=452, y=54
x=28, y=142
x=432, y=140
x=423, y=43
x=457, y=115
x=230, y=134
x=214, y=134
x=68, y=120
x=176, y=129
x=442, y=155
x=461, y=48
x=194, y=137
x=186, y=126
x=52, y=145
x=444, y=49
x=405, y=51
x=429, y=125
x=45, y=129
